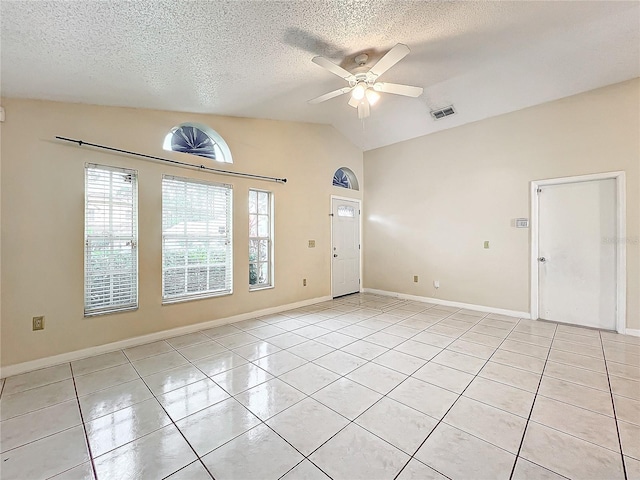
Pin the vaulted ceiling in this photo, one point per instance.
(253, 58)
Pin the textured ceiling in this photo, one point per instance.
(253, 58)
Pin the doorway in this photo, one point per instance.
(578, 261)
(345, 246)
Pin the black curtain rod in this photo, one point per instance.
(175, 162)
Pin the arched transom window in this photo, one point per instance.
(345, 178)
(198, 139)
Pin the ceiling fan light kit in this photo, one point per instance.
(358, 91)
(363, 84)
(372, 96)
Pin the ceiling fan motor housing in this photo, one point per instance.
(361, 59)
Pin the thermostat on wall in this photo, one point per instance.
(522, 223)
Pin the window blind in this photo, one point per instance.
(196, 239)
(111, 254)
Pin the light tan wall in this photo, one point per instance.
(431, 202)
(42, 217)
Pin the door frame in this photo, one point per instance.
(621, 246)
(359, 202)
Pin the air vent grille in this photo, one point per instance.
(443, 112)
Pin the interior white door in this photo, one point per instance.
(345, 258)
(577, 253)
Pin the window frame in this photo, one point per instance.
(221, 148)
(257, 238)
(132, 239)
(228, 234)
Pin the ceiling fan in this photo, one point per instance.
(363, 82)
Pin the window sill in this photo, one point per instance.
(257, 289)
(171, 301)
(110, 312)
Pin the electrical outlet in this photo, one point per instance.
(304, 282)
(312, 244)
(38, 323)
(415, 278)
(486, 244)
(436, 284)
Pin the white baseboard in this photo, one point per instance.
(24, 367)
(449, 303)
(632, 331)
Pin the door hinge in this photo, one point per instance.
(539, 190)
(358, 246)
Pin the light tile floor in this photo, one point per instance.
(362, 387)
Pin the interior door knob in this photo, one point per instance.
(542, 259)
(335, 255)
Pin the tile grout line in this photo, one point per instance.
(231, 396)
(371, 406)
(535, 396)
(613, 405)
(440, 420)
(306, 396)
(84, 426)
(307, 457)
(453, 404)
(399, 320)
(173, 423)
(350, 421)
(139, 377)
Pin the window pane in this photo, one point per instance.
(263, 277)
(175, 253)
(263, 250)
(217, 276)
(260, 241)
(111, 257)
(196, 238)
(198, 139)
(253, 250)
(253, 201)
(174, 282)
(346, 211)
(263, 226)
(263, 202)
(253, 225)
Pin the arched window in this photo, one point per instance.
(198, 139)
(345, 178)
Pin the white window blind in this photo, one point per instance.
(111, 254)
(196, 239)
(260, 239)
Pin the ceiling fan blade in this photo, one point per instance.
(392, 57)
(406, 90)
(353, 102)
(333, 68)
(330, 95)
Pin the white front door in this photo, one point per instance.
(345, 259)
(577, 253)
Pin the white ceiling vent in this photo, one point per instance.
(443, 112)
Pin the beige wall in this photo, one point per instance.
(42, 218)
(431, 202)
